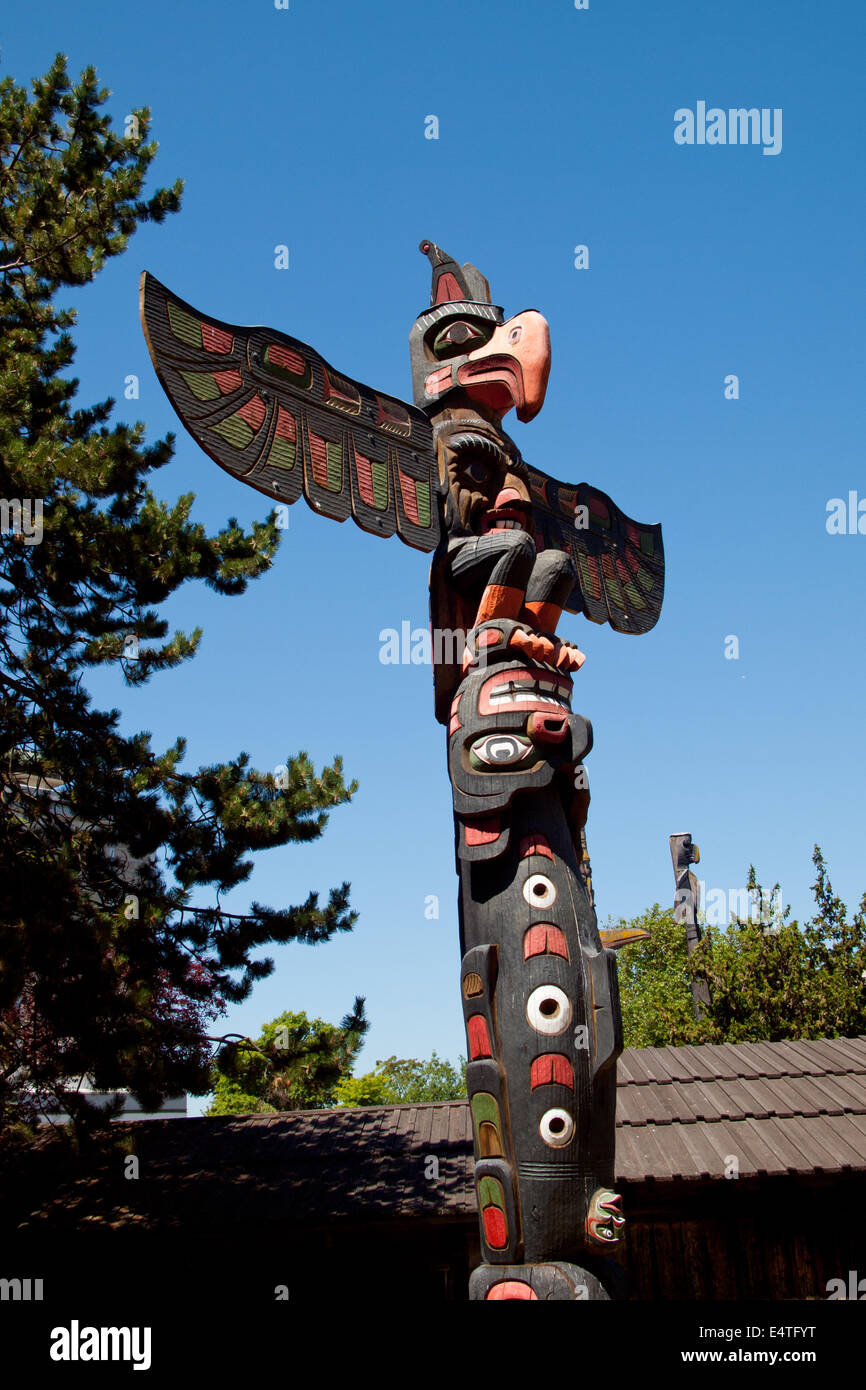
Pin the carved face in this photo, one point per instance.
(467, 347)
(511, 369)
(512, 727)
(604, 1218)
(488, 486)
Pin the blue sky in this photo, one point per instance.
(306, 127)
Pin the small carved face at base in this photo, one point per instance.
(604, 1217)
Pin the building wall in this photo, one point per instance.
(783, 1239)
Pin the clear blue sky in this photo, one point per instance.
(305, 127)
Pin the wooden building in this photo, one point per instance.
(742, 1169)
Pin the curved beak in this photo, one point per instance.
(512, 368)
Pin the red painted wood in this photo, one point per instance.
(511, 1290)
(365, 479)
(545, 940)
(215, 339)
(319, 458)
(447, 289)
(479, 1038)
(551, 1068)
(535, 844)
(483, 830)
(284, 357)
(228, 381)
(410, 496)
(253, 412)
(495, 1228)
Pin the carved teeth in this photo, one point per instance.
(537, 693)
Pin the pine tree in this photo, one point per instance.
(106, 970)
(297, 1063)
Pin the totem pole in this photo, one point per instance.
(687, 901)
(512, 549)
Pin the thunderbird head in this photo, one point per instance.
(464, 351)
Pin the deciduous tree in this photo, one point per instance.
(402, 1080)
(769, 980)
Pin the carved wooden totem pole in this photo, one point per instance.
(512, 549)
(684, 853)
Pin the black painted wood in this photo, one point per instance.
(513, 548)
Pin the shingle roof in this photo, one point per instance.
(682, 1114)
(788, 1107)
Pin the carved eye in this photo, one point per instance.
(538, 891)
(548, 1010)
(494, 750)
(478, 472)
(515, 334)
(556, 1128)
(458, 338)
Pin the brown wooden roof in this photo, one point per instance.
(780, 1108)
(789, 1107)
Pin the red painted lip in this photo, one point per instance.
(491, 519)
(552, 698)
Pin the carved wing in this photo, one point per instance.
(620, 563)
(272, 412)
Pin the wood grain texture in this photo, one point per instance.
(513, 548)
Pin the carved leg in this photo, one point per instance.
(552, 580)
(503, 562)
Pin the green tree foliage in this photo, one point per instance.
(296, 1064)
(654, 982)
(399, 1080)
(90, 983)
(768, 979)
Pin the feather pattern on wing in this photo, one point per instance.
(272, 412)
(620, 563)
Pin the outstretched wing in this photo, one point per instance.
(271, 411)
(620, 563)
